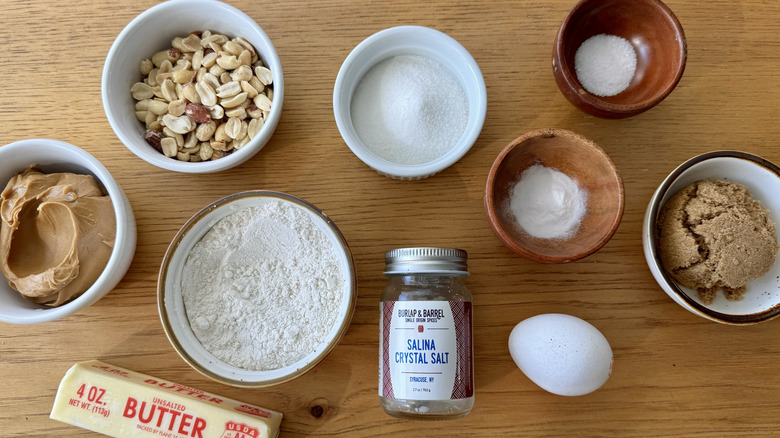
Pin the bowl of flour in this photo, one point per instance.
(256, 288)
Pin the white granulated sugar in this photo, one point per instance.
(409, 109)
(263, 287)
(547, 203)
(605, 64)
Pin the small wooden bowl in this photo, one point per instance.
(657, 37)
(580, 159)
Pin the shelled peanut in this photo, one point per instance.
(205, 97)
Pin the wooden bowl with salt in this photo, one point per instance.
(556, 151)
(657, 39)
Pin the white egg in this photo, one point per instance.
(563, 354)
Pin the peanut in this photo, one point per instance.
(146, 66)
(238, 111)
(179, 125)
(220, 134)
(183, 76)
(264, 75)
(248, 89)
(169, 147)
(262, 102)
(168, 90)
(205, 131)
(217, 112)
(209, 59)
(254, 127)
(229, 89)
(232, 47)
(228, 62)
(158, 107)
(242, 73)
(141, 91)
(207, 95)
(171, 55)
(197, 60)
(198, 113)
(233, 127)
(191, 43)
(245, 58)
(205, 151)
(177, 107)
(154, 138)
(190, 93)
(217, 145)
(234, 101)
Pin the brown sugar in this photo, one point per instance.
(712, 235)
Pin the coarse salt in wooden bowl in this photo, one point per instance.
(658, 41)
(578, 158)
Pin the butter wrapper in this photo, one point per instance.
(123, 403)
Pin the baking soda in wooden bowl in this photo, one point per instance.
(547, 203)
(569, 196)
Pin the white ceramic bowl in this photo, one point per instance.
(173, 313)
(761, 302)
(409, 40)
(153, 31)
(56, 156)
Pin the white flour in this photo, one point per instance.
(263, 287)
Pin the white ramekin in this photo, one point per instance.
(56, 156)
(409, 40)
(152, 31)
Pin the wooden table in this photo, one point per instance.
(674, 374)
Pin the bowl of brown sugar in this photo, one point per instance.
(710, 237)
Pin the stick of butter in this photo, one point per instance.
(122, 403)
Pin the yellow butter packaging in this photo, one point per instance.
(122, 403)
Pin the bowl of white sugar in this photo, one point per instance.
(554, 196)
(409, 101)
(618, 58)
(256, 289)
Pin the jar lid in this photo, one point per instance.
(426, 261)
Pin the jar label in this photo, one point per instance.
(425, 350)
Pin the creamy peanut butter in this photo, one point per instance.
(56, 236)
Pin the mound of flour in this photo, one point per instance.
(263, 287)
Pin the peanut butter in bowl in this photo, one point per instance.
(56, 236)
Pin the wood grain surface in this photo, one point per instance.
(675, 374)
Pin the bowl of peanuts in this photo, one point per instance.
(193, 86)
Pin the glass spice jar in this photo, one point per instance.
(426, 368)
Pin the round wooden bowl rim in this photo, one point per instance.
(490, 207)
